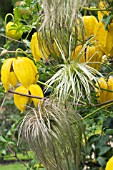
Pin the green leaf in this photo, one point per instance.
(107, 20)
(3, 152)
(101, 161)
(104, 150)
(2, 139)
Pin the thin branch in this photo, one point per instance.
(15, 155)
(102, 104)
(27, 95)
(2, 35)
(6, 51)
(95, 9)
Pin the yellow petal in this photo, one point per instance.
(109, 165)
(100, 34)
(5, 73)
(37, 51)
(110, 87)
(21, 101)
(102, 94)
(25, 71)
(79, 54)
(12, 79)
(36, 91)
(90, 23)
(94, 57)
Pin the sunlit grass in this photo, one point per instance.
(17, 166)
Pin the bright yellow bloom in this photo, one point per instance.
(21, 101)
(109, 165)
(90, 54)
(21, 69)
(11, 32)
(37, 51)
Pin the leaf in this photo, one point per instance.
(101, 161)
(104, 150)
(2, 139)
(107, 20)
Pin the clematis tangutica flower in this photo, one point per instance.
(21, 101)
(20, 69)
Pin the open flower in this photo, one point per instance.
(21, 69)
(21, 101)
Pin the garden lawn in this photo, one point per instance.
(14, 166)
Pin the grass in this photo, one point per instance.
(14, 166)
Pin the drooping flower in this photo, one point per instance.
(21, 69)
(11, 32)
(90, 54)
(21, 101)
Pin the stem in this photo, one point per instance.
(15, 155)
(95, 9)
(6, 51)
(11, 39)
(27, 95)
(90, 114)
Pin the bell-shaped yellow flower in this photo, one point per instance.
(11, 32)
(37, 51)
(109, 165)
(19, 100)
(21, 69)
(36, 90)
(90, 54)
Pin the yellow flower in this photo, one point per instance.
(21, 101)
(11, 32)
(109, 165)
(21, 69)
(90, 54)
(37, 51)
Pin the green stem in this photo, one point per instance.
(92, 113)
(95, 9)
